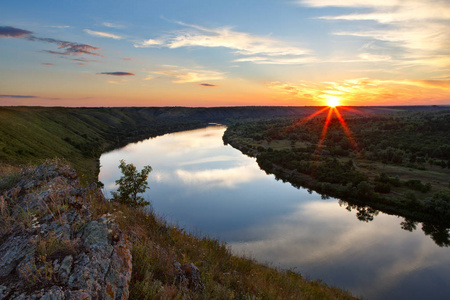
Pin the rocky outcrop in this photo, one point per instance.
(188, 277)
(51, 246)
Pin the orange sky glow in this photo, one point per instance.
(233, 53)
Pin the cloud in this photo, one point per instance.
(48, 64)
(367, 91)
(349, 3)
(149, 77)
(219, 177)
(277, 60)
(374, 57)
(103, 34)
(185, 75)
(82, 60)
(112, 25)
(8, 31)
(418, 27)
(60, 26)
(68, 48)
(427, 37)
(400, 12)
(117, 73)
(208, 84)
(149, 43)
(424, 83)
(128, 58)
(17, 96)
(224, 37)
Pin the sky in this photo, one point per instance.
(224, 53)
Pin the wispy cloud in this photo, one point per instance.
(270, 60)
(443, 84)
(8, 31)
(419, 27)
(17, 96)
(59, 26)
(82, 60)
(102, 34)
(117, 73)
(218, 177)
(185, 75)
(48, 64)
(67, 48)
(241, 43)
(208, 84)
(112, 25)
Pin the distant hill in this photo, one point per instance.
(80, 135)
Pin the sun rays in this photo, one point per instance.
(332, 108)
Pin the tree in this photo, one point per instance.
(131, 184)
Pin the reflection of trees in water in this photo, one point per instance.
(366, 214)
(409, 225)
(363, 213)
(440, 234)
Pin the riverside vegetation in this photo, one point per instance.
(395, 160)
(167, 263)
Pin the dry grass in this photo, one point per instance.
(156, 246)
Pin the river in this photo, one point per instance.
(211, 189)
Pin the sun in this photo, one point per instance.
(332, 101)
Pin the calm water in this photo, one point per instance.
(208, 188)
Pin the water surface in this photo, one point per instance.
(211, 189)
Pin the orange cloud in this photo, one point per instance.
(185, 75)
(102, 34)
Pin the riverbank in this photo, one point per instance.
(166, 263)
(78, 136)
(295, 154)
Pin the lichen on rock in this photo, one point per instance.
(51, 246)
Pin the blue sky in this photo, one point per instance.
(220, 53)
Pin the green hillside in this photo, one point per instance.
(79, 135)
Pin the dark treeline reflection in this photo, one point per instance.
(440, 234)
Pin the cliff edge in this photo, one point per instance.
(52, 247)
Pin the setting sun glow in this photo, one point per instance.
(332, 101)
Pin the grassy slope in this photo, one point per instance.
(31, 135)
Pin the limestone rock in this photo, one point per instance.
(54, 248)
(188, 275)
